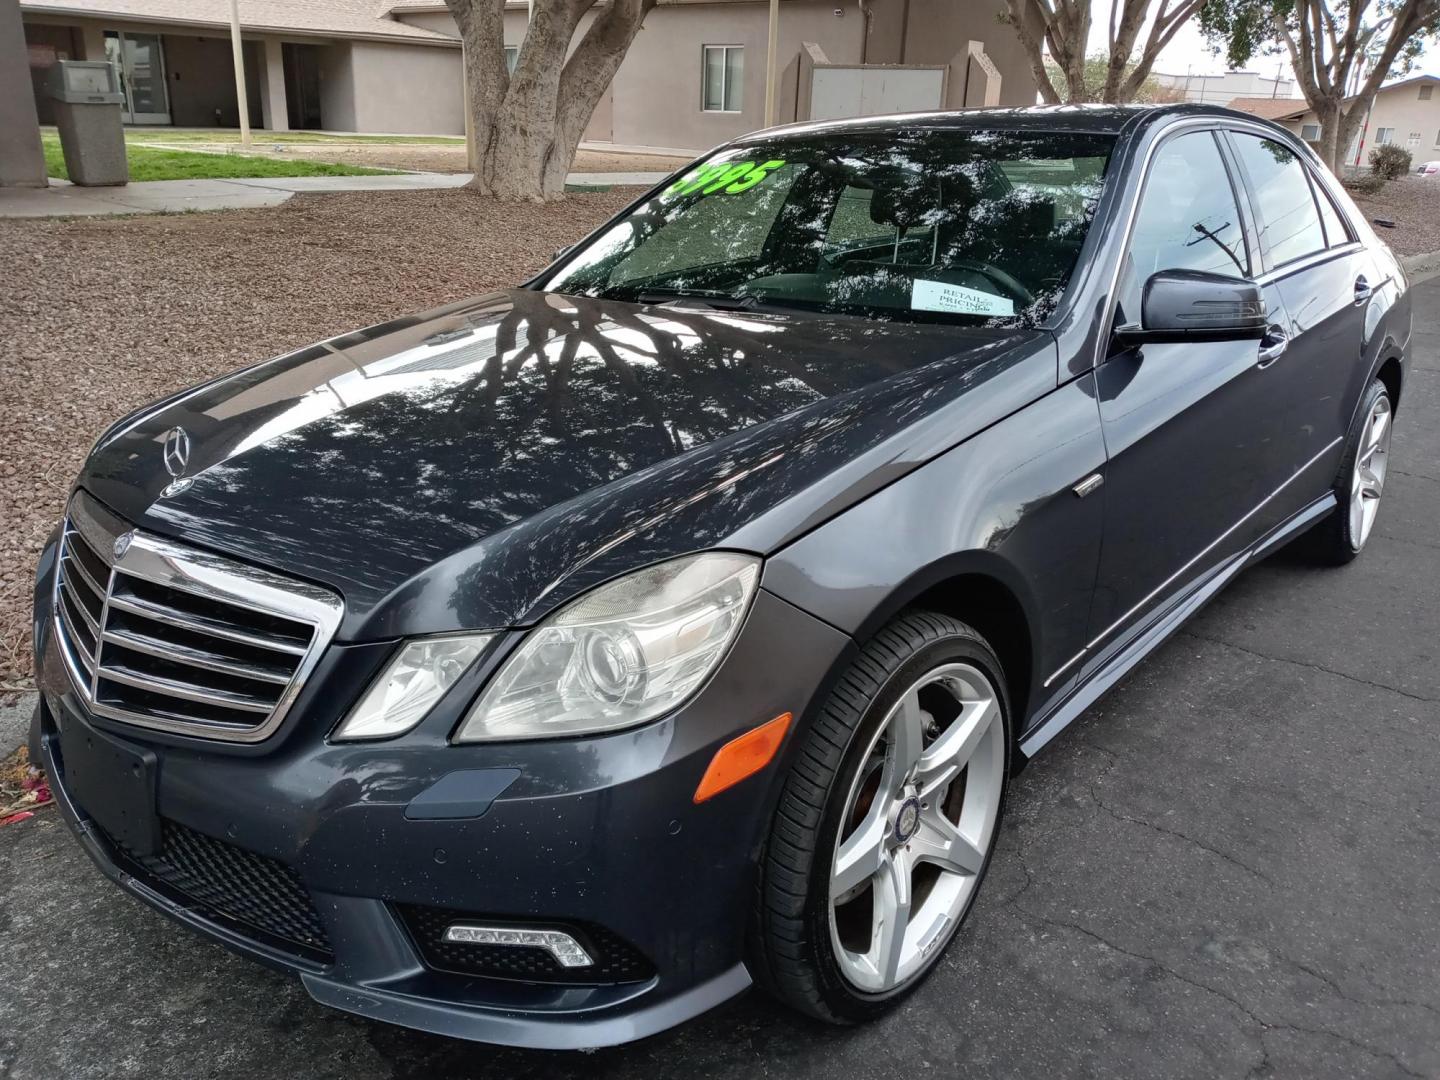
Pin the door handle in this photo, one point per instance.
(1362, 289)
(1272, 346)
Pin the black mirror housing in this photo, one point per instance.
(1193, 305)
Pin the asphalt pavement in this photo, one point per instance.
(1230, 867)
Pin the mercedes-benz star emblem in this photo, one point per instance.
(176, 451)
(122, 544)
(907, 820)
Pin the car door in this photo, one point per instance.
(1188, 427)
(1325, 282)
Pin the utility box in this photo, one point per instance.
(88, 100)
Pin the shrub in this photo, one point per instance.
(1364, 185)
(1389, 162)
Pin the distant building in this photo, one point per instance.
(1406, 113)
(1219, 89)
(695, 75)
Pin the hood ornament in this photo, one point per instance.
(176, 454)
(122, 544)
(177, 451)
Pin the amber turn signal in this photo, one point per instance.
(742, 756)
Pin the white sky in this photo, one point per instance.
(1189, 50)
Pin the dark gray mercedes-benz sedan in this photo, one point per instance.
(550, 667)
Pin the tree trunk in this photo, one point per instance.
(528, 125)
(1346, 126)
(1324, 52)
(1331, 147)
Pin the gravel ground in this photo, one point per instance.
(185, 297)
(1413, 204)
(433, 158)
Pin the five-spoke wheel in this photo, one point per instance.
(887, 821)
(916, 826)
(1367, 478)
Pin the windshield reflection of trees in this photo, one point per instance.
(851, 227)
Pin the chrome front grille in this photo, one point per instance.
(164, 636)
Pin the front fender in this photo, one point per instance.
(1001, 504)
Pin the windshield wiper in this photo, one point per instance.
(723, 301)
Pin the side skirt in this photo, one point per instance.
(1166, 619)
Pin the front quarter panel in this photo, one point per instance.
(1001, 505)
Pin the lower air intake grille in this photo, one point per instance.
(616, 960)
(259, 896)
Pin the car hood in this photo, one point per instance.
(473, 466)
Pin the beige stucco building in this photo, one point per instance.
(695, 75)
(1406, 113)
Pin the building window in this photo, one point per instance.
(1426, 91)
(1310, 132)
(1384, 136)
(512, 57)
(724, 76)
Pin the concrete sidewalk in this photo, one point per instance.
(63, 199)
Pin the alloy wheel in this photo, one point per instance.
(916, 827)
(1367, 479)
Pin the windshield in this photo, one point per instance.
(979, 227)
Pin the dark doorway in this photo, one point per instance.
(47, 46)
(302, 86)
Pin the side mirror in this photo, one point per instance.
(1193, 305)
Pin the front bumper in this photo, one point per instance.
(598, 832)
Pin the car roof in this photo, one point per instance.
(1102, 119)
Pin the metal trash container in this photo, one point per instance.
(88, 100)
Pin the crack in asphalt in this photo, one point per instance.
(1113, 759)
(1309, 664)
(1162, 829)
(1406, 540)
(1417, 475)
(1263, 1024)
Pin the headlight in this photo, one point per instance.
(623, 654)
(421, 672)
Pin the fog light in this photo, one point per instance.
(565, 949)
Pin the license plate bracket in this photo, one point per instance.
(114, 785)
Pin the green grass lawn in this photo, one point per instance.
(149, 163)
(270, 138)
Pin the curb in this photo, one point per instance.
(15, 722)
(1419, 268)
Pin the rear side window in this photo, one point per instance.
(1187, 220)
(1289, 220)
(1335, 232)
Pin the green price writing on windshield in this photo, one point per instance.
(732, 177)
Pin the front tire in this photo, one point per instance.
(1358, 484)
(887, 822)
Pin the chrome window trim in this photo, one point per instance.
(1305, 262)
(1202, 123)
(152, 558)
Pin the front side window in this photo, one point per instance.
(724, 76)
(1289, 221)
(1188, 219)
(975, 227)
